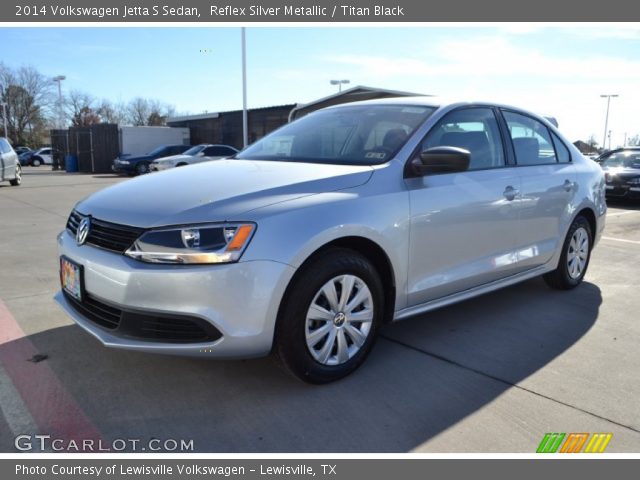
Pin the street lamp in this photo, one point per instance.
(4, 117)
(59, 79)
(339, 83)
(245, 121)
(606, 121)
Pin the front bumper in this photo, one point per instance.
(239, 300)
(159, 167)
(622, 191)
(116, 166)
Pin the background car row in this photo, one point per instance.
(169, 156)
(622, 172)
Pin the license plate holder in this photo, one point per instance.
(72, 278)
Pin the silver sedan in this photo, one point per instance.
(309, 240)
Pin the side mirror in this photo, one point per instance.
(441, 160)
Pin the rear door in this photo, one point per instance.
(548, 187)
(463, 225)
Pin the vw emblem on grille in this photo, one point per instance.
(83, 230)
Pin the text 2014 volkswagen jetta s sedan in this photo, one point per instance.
(310, 239)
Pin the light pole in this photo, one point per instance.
(606, 120)
(59, 79)
(245, 121)
(4, 117)
(339, 83)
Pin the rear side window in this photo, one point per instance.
(562, 152)
(531, 140)
(474, 129)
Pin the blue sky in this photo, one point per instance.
(557, 70)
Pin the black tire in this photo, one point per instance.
(18, 178)
(142, 168)
(182, 165)
(36, 162)
(291, 328)
(562, 278)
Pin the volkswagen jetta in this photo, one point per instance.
(305, 243)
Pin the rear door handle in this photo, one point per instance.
(567, 185)
(510, 193)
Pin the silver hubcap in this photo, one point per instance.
(18, 174)
(578, 253)
(339, 320)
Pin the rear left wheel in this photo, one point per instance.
(18, 178)
(574, 260)
(330, 317)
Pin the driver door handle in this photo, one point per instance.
(567, 185)
(510, 193)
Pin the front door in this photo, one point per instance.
(463, 225)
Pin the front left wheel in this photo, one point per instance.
(330, 317)
(142, 168)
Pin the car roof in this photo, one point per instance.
(440, 102)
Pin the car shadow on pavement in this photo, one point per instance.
(625, 204)
(425, 375)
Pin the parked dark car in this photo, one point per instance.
(138, 165)
(622, 172)
(25, 157)
(21, 150)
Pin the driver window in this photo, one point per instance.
(474, 129)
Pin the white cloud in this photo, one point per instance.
(490, 57)
(493, 68)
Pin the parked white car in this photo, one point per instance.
(41, 157)
(199, 153)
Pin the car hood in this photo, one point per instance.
(216, 191)
(135, 158)
(174, 158)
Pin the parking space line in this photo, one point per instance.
(51, 406)
(35, 206)
(13, 408)
(636, 242)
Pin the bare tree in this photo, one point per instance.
(113, 112)
(80, 109)
(30, 101)
(592, 142)
(139, 111)
(152, 112)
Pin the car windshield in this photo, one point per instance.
(623, 159)
(158, 150)
(352, 135)
(194, 150)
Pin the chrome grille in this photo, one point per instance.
(107, 235)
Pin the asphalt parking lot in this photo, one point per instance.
(493, 374)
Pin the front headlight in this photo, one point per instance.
(193, 244)
(123, 162)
